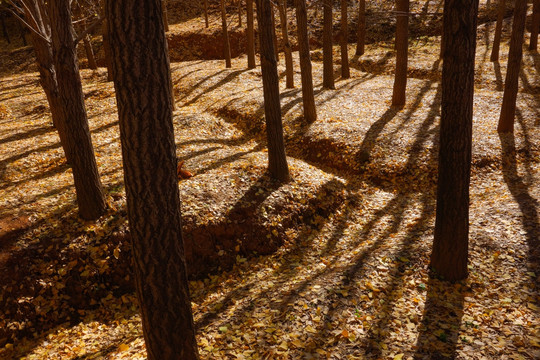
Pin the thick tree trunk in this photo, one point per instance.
(165, 15)
(508, 109)
(89, 53)
(250, 35)
(328, 62)
(450, 247)
(149, 158)
(277, 161)
(72, 121)
(402, 48)
(226, 45)
(535, 26)
(361, 29)
(308, 98)
(206, 13)
(498, 31)
(289, 71)
(345, 72)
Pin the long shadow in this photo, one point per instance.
(198, 84)
(223, 81)
(27, 134)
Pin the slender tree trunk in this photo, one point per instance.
(240, 13)
(206, 13)
(149, 158)
(4, 29)
(535, 26)
(289, 71)
(328, 62)
(508, 109)
(274, 36)
(498, 31)
(345, 72)
(72, 120)
(277, 161)
(165, 15)
(361, 29)
(402, 48)
(226, 45)
(89, 53)
(250, 35)
(106, 46)
(450, 247)
(308, 99)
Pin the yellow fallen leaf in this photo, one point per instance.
(398, 357)
(123, 347)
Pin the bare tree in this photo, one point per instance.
(345, 72)
(402, 48)
(361, 29)
(250, 35)
(328, 62)
(289, 72)
(498, 31)
(226, 45)
(308, 99)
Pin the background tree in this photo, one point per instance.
(250, 48)
(239, 12)
(508, 109)
(535, 26)
(165, 15)
(361, 28)
(308, 98)
(289, 71)
(328, 64)
(206, 13)
(498, 31)
(277, 161)
(402, 47)
(226, 45)
(344, 37)
(142, 82)
(450, 247)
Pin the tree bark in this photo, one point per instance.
(402, 47)
(72, 120)
(240, 13)
(450, 247)
(106, 46)
(226, 45)
(274, 35)
(308, 98)
(165, 15)
(277, 161)
(535, 26)
(508, 109)
(328, 65)
(289, 71)
(250, 35)
(142, 76)
(89, 53)
(361, 29)
(498, 31)
(345, 72)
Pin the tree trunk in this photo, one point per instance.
(535, 26)
(4, 29)
(361, 30)
(89, 53)
(450, 247)
(105, 37)
(149, 158)
(250, 35)
(308, 99)
(345, 72)
(508, 109)
(240, 13)
(165, 15)
(289, 71)
(226, 45)
(206, 13)
(274, 36)
(402, 47)
(328, 65)
(498, 31)
(72, 120)
(277, 161)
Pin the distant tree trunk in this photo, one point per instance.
(277, 161)
(308, 99)
(535, 26)
(289, 71)
(226, 45)
(361, 29)
(105, 37)
(206, 13)
(165, 15)
(149, 158)
(274, 36)
(250, 35)
(498, 31)
(345, 72)
(402, 47)
(450, 247)
(72, 120)
(328, 62)
(240, 13)
(508, 109)
(4, 29)
(89, 53)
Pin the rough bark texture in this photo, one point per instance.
(508, 109)
(308, 98)
(250, 35)
(361, 29)
(289, 71)
(402, 47)
(498, 31)
(72, 122)
(535, 26)
(345, 72)
(141, 77)
(450, 247)
(328, 65)
(277, 161)
(89, 53)
(226, 45)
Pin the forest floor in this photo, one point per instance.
(346, 242)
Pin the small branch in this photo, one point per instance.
(29, 26)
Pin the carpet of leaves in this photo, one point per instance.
(350, 280)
